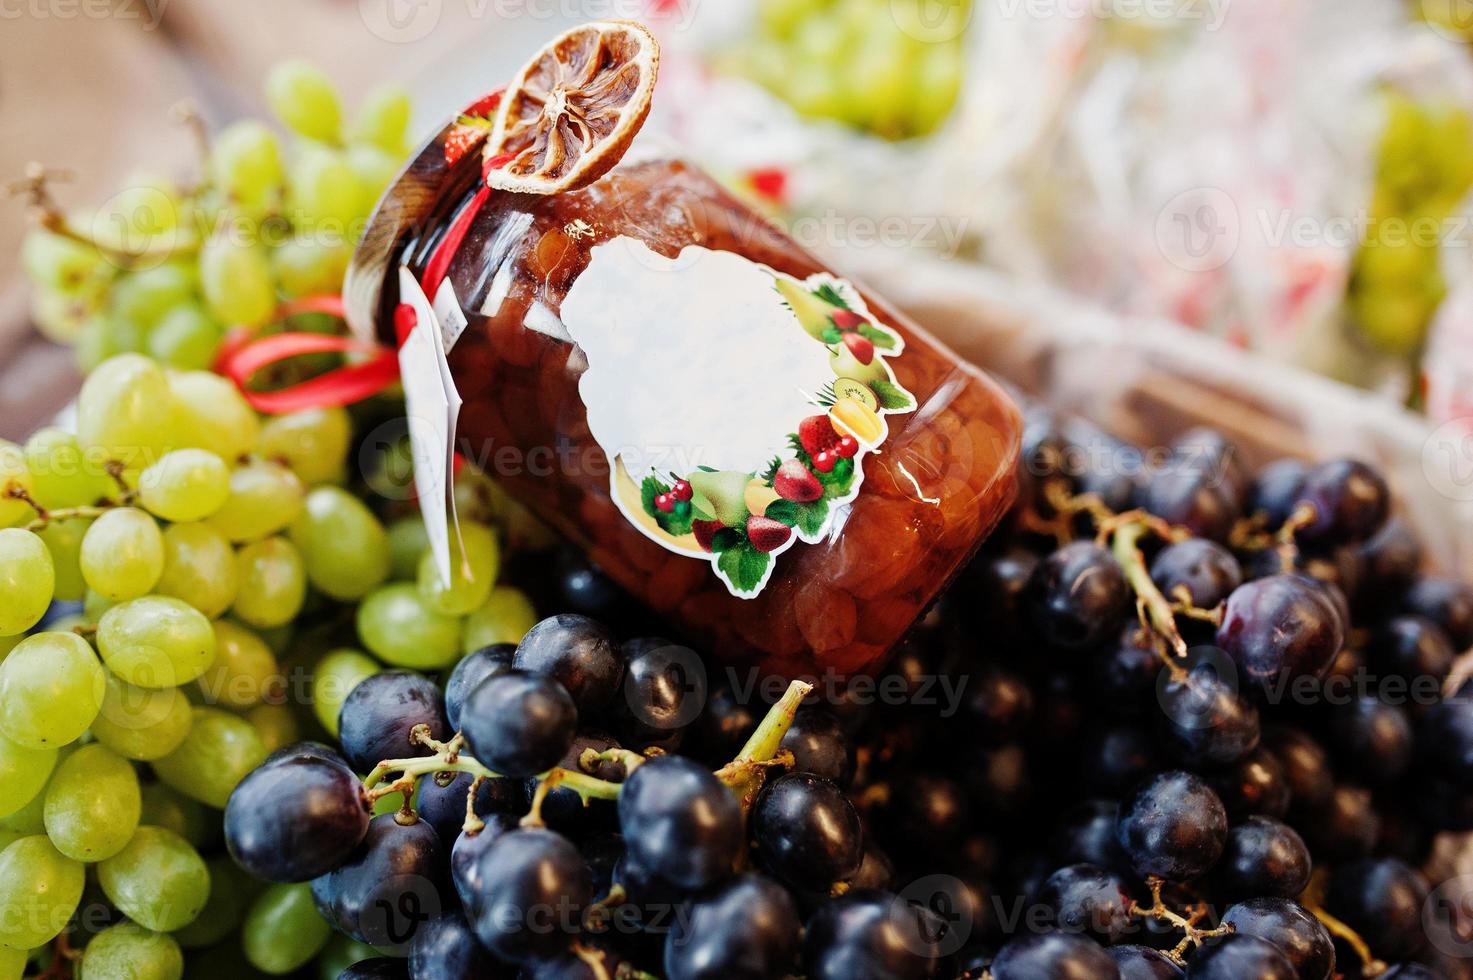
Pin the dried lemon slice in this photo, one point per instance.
(572, 111)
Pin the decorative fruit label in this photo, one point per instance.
(734, 403)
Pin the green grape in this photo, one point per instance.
(782, 17)
(344, 547)
(383, 119)
(12, 961)
(127, 951)
(60, 317)
(938, 86)
(122, 554)
(313, 442)
(220, 751)
(340, 954)
(307, 266)
(156, 641)
(142, 217)
(23, 774)
(407, 542)
(185, 485)
(63, 538)
(93, 344)
(236, 280)
(477, 498)
(163, 806)
(215, 415)
(14, 475)
(375, 170)
(273, 583)
(142, 723)
(264, 498)
(61, 474)
(29, 819)
(230, 895)
(475, 560)
(127, 410)
(399, 627)
(60, 263)
(246, 164)
(39, 890)
(326, 196)
(276, 724)
(505, 617)
(9, 643)
(185, 339)
(94, 605)
(199, 568)
(304, 99)
(27, 580)
(51, 689)
(337, 673)
(144, 298)
(158, 880)
(244, 672)
(92, 804)
(282, 931)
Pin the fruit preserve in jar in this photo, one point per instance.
(757, 448)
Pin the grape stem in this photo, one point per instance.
(1304, 515)
(630, 759)
(1370, 965)
(1156, 611)
(34, 186)
(1192, 936)
(746, 773)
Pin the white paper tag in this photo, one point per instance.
(433, 406)
(451, 316)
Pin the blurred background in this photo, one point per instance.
(1273, 190)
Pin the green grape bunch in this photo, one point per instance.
(1424, 170)
(890, 67)
(165, 267)
(226, 581)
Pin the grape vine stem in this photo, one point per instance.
(1156, 610)
(1192, 936)
(746, 773)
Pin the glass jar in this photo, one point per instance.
(930, 487)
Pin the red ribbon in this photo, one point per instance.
(240, 358)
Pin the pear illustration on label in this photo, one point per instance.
(735, 403)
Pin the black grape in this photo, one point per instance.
(296, 819)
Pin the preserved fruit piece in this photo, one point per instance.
(573, 110)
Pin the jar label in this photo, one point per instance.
(735, 403)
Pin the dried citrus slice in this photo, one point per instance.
(571, 112)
